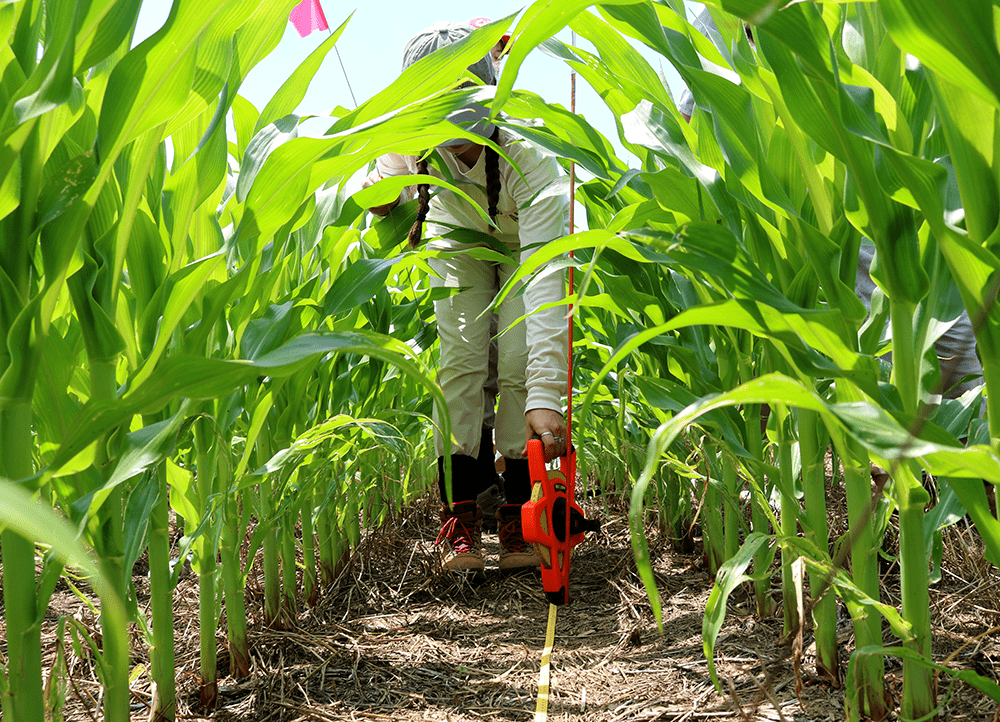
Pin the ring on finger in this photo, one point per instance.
(558, 439)
(549, 433)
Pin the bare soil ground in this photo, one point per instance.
(396, 638)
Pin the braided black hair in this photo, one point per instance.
(423, 205)
(492, 164)
(493, 177)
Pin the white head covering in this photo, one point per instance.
(473, 116)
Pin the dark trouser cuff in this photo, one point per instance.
(466, 478)
(517, 482)
(486, 455)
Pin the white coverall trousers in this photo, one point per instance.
(464, 332)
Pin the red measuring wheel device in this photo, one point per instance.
(552, 520)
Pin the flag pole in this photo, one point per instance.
(307, 16)
(349, 88)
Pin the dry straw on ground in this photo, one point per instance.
(397, 639)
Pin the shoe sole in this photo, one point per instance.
(533, 569)
(471, 576)
(472, 569)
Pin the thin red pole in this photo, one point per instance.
(572, 229)
(570, 468)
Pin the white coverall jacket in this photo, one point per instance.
(532, 354)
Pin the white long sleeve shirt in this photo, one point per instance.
(523, 225)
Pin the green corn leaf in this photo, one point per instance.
(244, 120)
(800, 335)
(956, 40)
(256, 38)
(870, 111)
(265, 334)
(430, 74)
(184, 289)
(799, 26)
(100, 334)
(558, 147)
(183, 496)
(556, 249)
(52, 403)
(103, 29)
(868, 423)
(358, 284)
(539, 22)
(621, 59)
(814, 107)
(203, 378)
(48, 579)
(152, 82)
(972, 266)
(185, 192)
(214, 304)
(142, 162)
(387, 190)
(730, 576)
(146, 259)
(382, 433)
(805, 332)
(137, 513)
(972, 132)
(142, 450)
(803, 100)
(27, 516)
(568, 126)
(262, 143)
(258, 410)
(675, 192)
(10, 188)
(650, 128)
(947, 511)
(675, 397)
(973, 497)
(294, 170)
(818, 560)
(294, 88)
(985, 685)
(66, 186)
(18, 378)
(213, 69)
(51, 84)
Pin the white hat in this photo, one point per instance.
(473, 116)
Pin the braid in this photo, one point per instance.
(423, 193)
(493, 177)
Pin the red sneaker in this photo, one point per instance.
(515, 553)
(461, 537)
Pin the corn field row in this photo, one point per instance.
(209, 329)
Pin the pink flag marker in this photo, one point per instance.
(308, 16)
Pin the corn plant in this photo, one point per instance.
(804, 156)
(206, 324)
(126, 290)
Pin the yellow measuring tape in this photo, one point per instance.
(542, 706)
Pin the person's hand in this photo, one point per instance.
(548, 425)
(382, 210)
